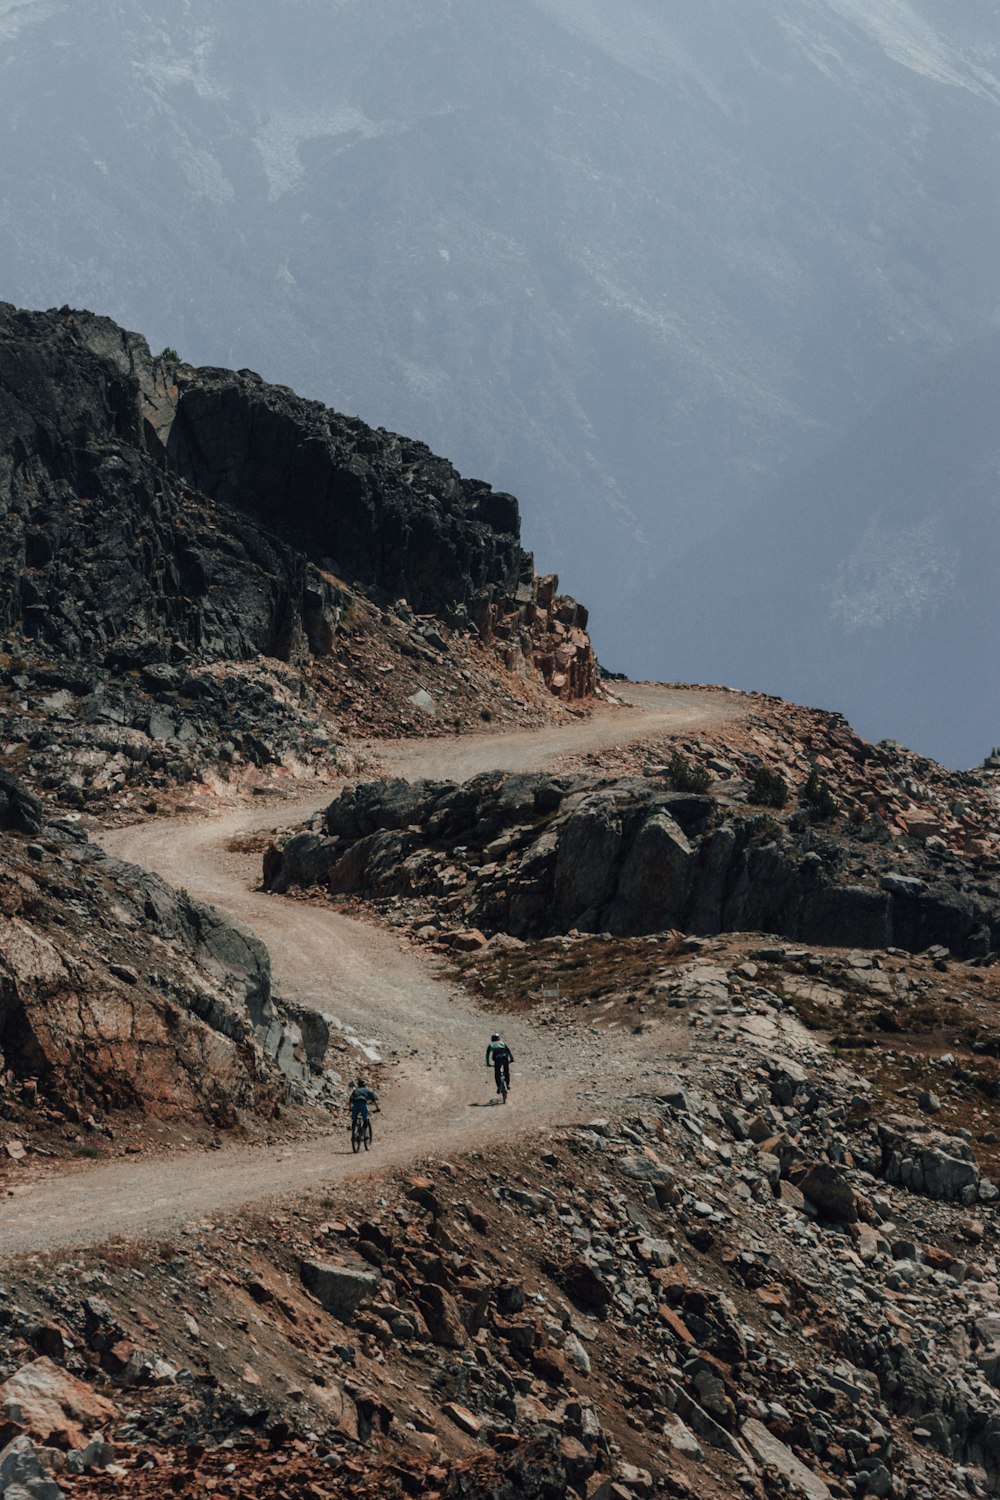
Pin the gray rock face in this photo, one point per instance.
(19, 809)
(160, 565)
(168, 497)
(385, 509)
(942, 1166)
(22, 1476)
(535, 857)
(772, 1452)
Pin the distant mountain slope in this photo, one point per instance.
(635, 263)
(875, 572)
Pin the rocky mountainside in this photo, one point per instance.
(188, 555)
(126, 1008)
(770, 1272)
(734, 1233)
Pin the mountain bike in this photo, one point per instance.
(361, 1133)
(502, 1087)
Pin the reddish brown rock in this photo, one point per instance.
(53, 1406)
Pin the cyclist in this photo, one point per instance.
(500, 1055)
(361, 1097)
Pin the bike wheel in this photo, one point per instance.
(356, 1131)
(503, 1092)
(367, 1134)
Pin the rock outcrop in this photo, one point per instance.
(533, 855)
(152, 512)
(118, 993)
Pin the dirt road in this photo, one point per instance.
(374, 988)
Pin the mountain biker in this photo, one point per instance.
(500, 1055)
(361, 1097)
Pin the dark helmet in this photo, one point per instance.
(361, 1083)
(495, 1037)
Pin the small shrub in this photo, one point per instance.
(170, 356)
(486, 714)
(818, 798)
(685, 777)
(768, 787)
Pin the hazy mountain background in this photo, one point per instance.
(712, 285)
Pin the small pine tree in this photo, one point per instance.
(685, 777)
(768, 787)
(817, 797)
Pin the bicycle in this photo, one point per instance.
(502, 1087)
(361, 1133)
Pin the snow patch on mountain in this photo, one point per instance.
(278, 141)
(15, 15)
(911, 40)
(895, 575)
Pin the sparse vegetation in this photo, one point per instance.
(686, 775)
(768, 787)
(817, 797)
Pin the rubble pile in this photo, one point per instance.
(724, 1287)
(147, 734)
(112, 742)
(888, 793)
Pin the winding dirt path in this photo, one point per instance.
(374, 987)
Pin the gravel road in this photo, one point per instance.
(374, 987)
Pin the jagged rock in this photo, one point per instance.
(143, 1368)
(941, 1166)
(22, 1476)
(114, 1028)
(19, 809)
(442, 1316)
(681, 1439)
(772, 1453)
(583, 1284)
(465, 1420)
(52, 1405)
(622, 856)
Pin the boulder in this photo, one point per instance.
(53, 1406)
(339, 1289)
(22, 1476)
(442, 1316)
(928, 1161)
(826, 1187)
(582, 1284)
(772, 1453)
(19, 809)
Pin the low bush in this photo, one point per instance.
(684, 776)
(768, 788)
(817, 798)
